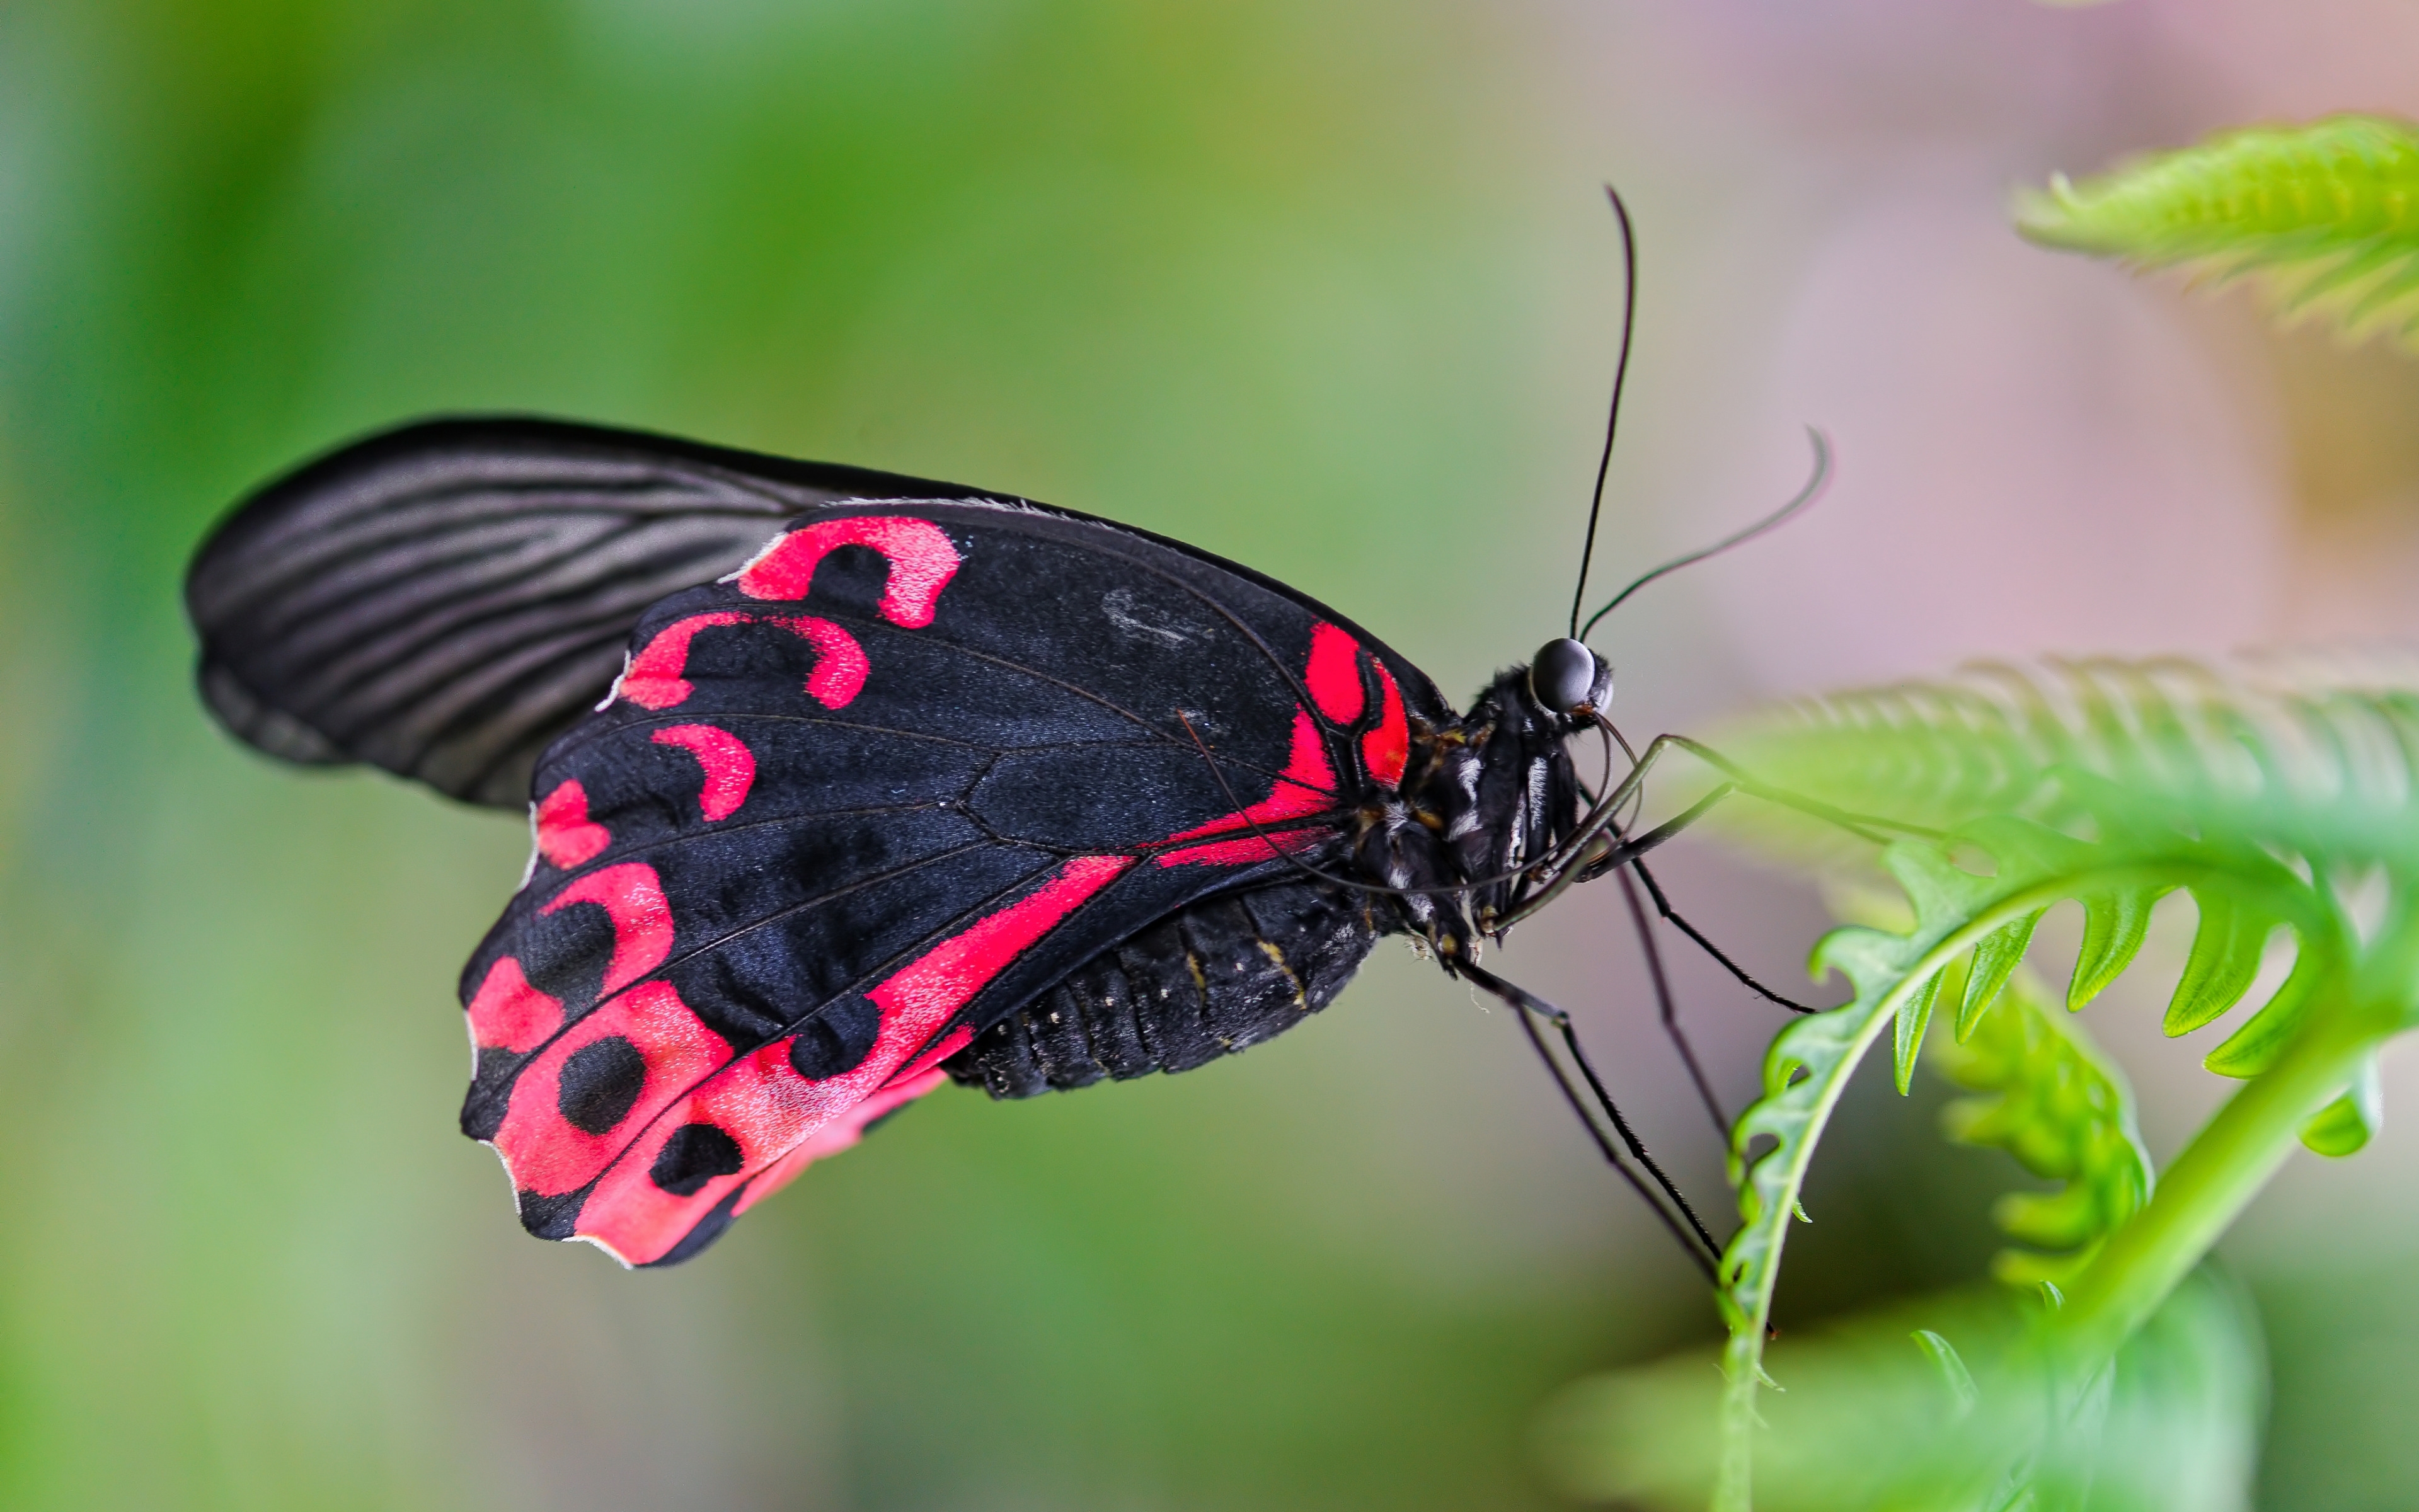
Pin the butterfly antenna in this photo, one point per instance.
(1814, 482)
(1620, 377)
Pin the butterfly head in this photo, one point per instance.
(1569, 679)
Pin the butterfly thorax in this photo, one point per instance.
(1481, 797)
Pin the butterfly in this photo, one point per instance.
(843, 785)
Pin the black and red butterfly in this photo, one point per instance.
(846, 784)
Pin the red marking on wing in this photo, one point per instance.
(766, 1108)
(843, 1132)
(949, 1044)
(642, 922)
(1243, 852)
(657, 677)
(730, 767)
(770, 1111)
(922, 561)
(549, 1155)
(652, 679)
(942, 980)
(841, 667)
(1307, 786)
(1385, 750)
(565, 835)
(1333, 675)
(507, 1013)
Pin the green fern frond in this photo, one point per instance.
(2326, 215)
(2314, 758)
(2065, 1113)
(1897, 977)
(2107, 784)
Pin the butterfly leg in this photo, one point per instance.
(1693, 1237)
(1663, 906)
(1667, 1007)
(1598, 846)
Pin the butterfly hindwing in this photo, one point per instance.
(897, 777)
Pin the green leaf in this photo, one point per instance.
(2066, 1113)
(1953, 1374)
(1913, 1015)
(1804, 1073)
(2326, 216)
(2344, 1126)
(2255, 1047)
(1995, 961)
(2115, 924)
(2224, 958)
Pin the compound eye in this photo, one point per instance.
(1565, 674)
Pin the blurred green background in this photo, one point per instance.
(1325, 287)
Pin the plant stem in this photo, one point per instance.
(2208, 1185)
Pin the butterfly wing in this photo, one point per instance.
(906, 770)
(902, 771)
(444, 599)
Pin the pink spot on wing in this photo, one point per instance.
(1385, 750)
(730, 767)
(658, 678)
(921, 558)
(655, 679)
(841, 667)
(633, 899)
(566, 837)
(1333, 675)
(507, 1013)
(772, 1112)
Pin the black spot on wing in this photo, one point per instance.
(564, 954)
(850, 580)
(485, 1104)
(552, 1217)
(694, 1155)
(601, 1081)
(836, 1041)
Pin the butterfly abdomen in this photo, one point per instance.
(1207, 980)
